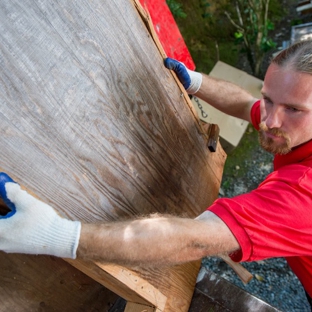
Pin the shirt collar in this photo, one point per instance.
(298, 154)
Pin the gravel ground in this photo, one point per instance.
(273, 281)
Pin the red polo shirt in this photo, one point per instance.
(275, 220)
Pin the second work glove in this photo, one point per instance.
(33, 227)
(190, 79)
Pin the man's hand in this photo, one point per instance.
(190, 80)
(34, 227)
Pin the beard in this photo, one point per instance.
(269, 144)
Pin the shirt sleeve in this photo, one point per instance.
(275, 220)
(255, 114)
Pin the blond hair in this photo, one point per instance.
(298, 57)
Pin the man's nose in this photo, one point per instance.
(274, 118)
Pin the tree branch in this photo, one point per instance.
(233, 22)
(239, 15)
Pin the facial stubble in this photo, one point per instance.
(269, 144)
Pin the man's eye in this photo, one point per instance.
(267, 101)
(292, 109)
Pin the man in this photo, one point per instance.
(272, 221)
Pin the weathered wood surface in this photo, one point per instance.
(43, 283)
(93, 123)
(134, 307)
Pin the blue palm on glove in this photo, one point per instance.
(4, 178)
(190, 80)
(180, 70)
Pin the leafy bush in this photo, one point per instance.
(176, 8)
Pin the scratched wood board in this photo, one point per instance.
(91, 121)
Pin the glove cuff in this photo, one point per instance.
(196, 81)
(58, 237)
(62, 239)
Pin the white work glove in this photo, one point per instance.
(190, 79)
(33, 227)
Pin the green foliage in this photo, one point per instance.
(267, 45)
(204, 4)
(210, 36)
(270, 25)
(238, 35)
(176, 9)
(252, 22)
(296, 21)
(207, 37)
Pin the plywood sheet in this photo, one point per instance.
(92, 122)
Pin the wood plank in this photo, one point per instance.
(134, 307)
(126, 283)
(94, 125)
(43, 283)
(177, 283)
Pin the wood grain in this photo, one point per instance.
(94, 125)
(123, 281)
(43, 283)
(134, 307)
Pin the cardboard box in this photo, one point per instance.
(231, 129)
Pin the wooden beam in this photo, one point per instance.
(45, 283)
(124, 282)
(146, 287)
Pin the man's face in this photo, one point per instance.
(286, 109)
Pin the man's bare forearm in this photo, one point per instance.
(155, 241)
(226, 96)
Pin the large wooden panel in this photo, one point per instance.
(92, 122)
